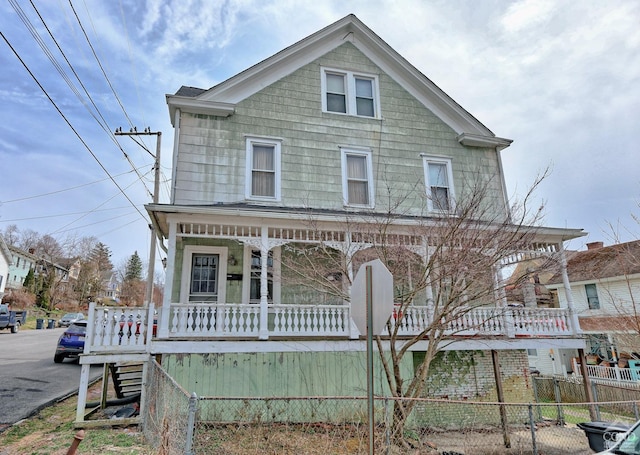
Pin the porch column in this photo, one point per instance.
(428, 288)
(165, 311)
(501, 300)
(263, 333)
(575, 323)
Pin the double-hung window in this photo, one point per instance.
(592, 296)
(345, 92)
(439, 184)
(263, 169)
(357, 182)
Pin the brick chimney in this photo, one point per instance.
(594, 245)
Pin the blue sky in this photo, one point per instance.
(560, 78)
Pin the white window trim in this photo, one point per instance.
(426, 160)
(246, 272)
(350, 91)
(345, 187)
(277, 144)
(189, 251)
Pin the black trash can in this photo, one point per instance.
(603, 435)
(39, 324)
(52, 324)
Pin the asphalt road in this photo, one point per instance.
(29, 379)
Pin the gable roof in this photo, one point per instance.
(622, 259)
(221, 99)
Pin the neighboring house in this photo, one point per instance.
(605, 292)
(291, 151)
(22, 262)
(69, 279)
(5, 264)
(110, 292)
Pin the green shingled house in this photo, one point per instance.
(291, 174)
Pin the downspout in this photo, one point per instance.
(503, 184)
(176, 142)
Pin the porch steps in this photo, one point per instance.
(127, 378)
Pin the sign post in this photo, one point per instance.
(373, 278)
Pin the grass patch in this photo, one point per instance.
(51, 432)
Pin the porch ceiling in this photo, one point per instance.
(304, 225)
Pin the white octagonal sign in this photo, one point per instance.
(382, 297)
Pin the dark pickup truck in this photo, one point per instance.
(11, 319)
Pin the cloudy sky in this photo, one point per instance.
(560, 78)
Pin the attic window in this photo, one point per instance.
(345, 92)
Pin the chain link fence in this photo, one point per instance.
(169, 414)
(177, 423)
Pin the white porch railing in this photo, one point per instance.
(121, 329)
(539, 321)
(612, 374)
(243, 320)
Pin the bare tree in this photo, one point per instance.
(448, 264)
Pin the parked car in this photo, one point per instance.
(11, 320)
(71, 342)
(70, 318)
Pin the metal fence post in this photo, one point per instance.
(558, 397)
(635, 410)
(191, 423)
(536, 398)
(387, 424)
(533, 430)
(594, 390)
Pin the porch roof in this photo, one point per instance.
(258, 215)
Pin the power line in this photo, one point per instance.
(102, 121)
(69, 123)
(60, 215)
(61, 191)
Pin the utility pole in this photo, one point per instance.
(156, 189)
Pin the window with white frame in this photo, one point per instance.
(357, 181)
(592, 296)
(350, 93)
(263, 169)
(439, 184)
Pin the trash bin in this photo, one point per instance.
(603, 435)
(39, 324)
(52, 324)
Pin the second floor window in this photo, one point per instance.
(439, 184)
(345, 92)
(263, 169)
(592, 296)
(357, 182)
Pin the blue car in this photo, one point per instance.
(71, 342)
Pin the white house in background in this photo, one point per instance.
(605, 290)
(5, 263)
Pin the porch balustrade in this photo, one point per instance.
(131, 329)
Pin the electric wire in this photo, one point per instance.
(41, 217)
(91, 211)
(51, 193)
(69, 123)
(102, 121)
